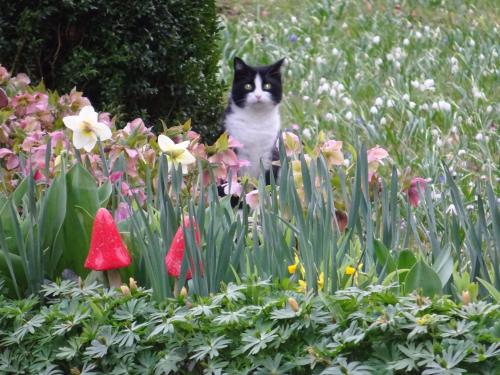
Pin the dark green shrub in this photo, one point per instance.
(149, 58)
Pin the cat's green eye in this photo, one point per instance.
(248, 87)
(267, 86)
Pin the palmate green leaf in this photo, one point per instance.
(423, 277)
(256, 340)
(169, 363)
(342, 367)
(210, 348)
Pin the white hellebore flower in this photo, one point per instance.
(86, 128)
(177, 153)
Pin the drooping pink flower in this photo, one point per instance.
(233, 188)
(115, 176)
(136, 127)
(12, 162)
(4, 152)
(74, 101)
(133, 192)
(4, 75)
(375, 156)
(292, 143)
(192, 135)
(234, 143)
(332, 151)
(252, 199)
(417, 186)
(122, 212)
(33, 139)
(20, 81)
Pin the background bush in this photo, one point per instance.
(154, 59)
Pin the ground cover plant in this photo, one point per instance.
(247, 328)
(386, 203)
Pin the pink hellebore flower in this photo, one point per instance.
(11, 159)
(122, 212)
(20, 81)
(4, 75)
(74, 101)
(417, 185)
(236, 187)
(252, 199)
(332, 151)
(136, 126)
(292, 143)
(115, 176)
(192, 135)
(127, 191)
(375, 157)
(27, 104)
(234, 143)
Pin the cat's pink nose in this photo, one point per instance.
(257, 96)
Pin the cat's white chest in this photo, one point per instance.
(257, 130)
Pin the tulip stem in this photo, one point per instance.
(114, 278)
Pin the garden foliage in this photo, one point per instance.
(248, 328)
(156, 59)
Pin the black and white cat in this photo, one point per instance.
(252, 116)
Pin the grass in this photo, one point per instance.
(356, 71)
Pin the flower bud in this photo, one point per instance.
(183, 293)
(293, 304)
(132, 283)
(465, 297)
(125, 290)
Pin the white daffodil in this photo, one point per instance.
(177, 153)
(86, 128)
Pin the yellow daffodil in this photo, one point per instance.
(86, 128)
(293, 267)
(177, 153)
(350, 270)
(302, 286)
(321, 281)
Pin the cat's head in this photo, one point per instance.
(256, 86)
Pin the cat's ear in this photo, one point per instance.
(239, 65)
(275, 68)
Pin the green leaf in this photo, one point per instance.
(83, 202)
(421, 276)
(494, 292)
(443, 266)
(51, 219)
(384, 256)
(406, 259)
(104, 193)
(20, 191)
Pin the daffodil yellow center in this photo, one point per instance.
(175, 153)
(87, 128)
